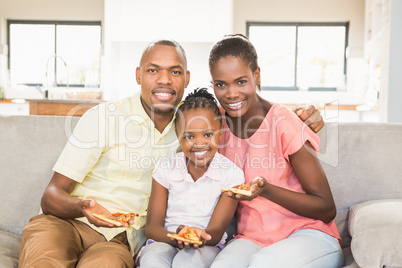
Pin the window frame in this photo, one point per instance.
(295, 87)
(48, 22)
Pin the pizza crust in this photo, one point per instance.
(105, 218)
(236, 191)
(178, 237)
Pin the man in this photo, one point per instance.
(106, 167)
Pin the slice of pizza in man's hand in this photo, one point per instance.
(242, 189)
(117, 219)
(189, 236)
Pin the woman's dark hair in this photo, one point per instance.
(199, 98)
(236, 45)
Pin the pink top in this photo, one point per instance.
(266, 153)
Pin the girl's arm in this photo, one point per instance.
(220, 220)
(154, 228)
(317, 203)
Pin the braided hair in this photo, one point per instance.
(200, 98)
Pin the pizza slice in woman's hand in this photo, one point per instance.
(242, 189)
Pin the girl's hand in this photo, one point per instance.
(200, 232)
(256, 186)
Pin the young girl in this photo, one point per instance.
(288, 220)
(186, 189)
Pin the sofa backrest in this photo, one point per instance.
(29, 146)
(362, 162)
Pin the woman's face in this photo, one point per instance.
(235, 85)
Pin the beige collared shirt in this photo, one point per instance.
(111, 154)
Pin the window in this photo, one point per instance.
(300, 56)
(57, 53)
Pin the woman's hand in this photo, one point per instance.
(256, 186)
(204, 237)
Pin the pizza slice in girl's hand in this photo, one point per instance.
(118, 219)
(189, 236)
(242, 189)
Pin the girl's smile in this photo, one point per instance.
(199, 136)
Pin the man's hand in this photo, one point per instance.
(311, 117)
(89, 206)
(200, 232)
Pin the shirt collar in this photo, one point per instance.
(138, 109)
(142, 116)
(180, 163)
(213, 171)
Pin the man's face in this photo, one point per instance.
(163, 76)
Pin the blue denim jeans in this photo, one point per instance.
(160, 255)
(304, 248)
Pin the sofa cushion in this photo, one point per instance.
(376, 230)
(30, 147)
(9, 249)
(361, 161)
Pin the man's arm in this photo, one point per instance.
(57, 201)
(311, 117)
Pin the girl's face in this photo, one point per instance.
(199, 133)
(235, 85)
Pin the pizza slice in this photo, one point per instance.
(189, 236)
(242, 189)
(118, 219)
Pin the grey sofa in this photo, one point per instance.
(361, 160)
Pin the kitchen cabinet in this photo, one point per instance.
(8, 107)
(61, 107)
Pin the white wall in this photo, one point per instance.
(131, 24)
(182, 20)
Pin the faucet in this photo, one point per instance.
(45, 90)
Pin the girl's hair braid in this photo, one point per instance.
(200, 98)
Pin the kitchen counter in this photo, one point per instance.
(61, 107)
(344, 107)
(340, 113)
